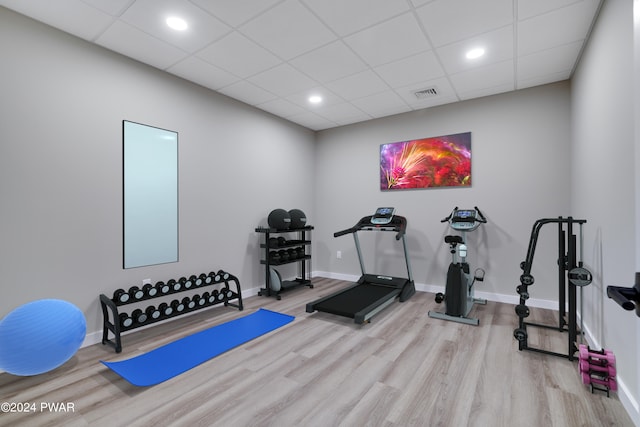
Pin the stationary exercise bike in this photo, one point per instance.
(459, 291)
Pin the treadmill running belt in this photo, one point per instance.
(353, 300)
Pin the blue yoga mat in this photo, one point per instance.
(179, 356)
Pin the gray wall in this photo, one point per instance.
(63, 101)
(520, 173)
(604, 154)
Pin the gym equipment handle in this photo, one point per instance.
(343, 232)
(450, 215)
(481, 215)
(622, 296)
(398, 223)
(627, 298)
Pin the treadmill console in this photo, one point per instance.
(383, 216)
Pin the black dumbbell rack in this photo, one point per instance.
(280, 251)
(123, 321)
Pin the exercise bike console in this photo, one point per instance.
(465, 219)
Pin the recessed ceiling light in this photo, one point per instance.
(475, 53)
(315, 99)
(177, 23)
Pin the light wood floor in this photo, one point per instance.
(402, 369)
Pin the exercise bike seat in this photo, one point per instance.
(453, 239)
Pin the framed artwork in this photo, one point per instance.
(439, 161)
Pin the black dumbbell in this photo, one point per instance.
(175, 286)
(274, 257)
(120, 296)
(165, 309)
(136, 293)
(150, 290)
(163, 288)
(152, 312)
(125, 320)
(200, 280)
(199, 300)
(178, 306)
(139, 316)
(212, 297)
(193, 280)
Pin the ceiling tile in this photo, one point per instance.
(150, 16)
(112, 7)
(248, 93)
(329, 62)
(483, 78)
(382, 104)
(203, 73)
(550, 61)
(132, 42)
(418, 3)
(498, 46)
(420, 67)
(288, 30)
(283, 80)
(281, 107)
(392, 40)
(448, 21)
(543, 80)
(343, 111)
(358, 85)
(312, 121)
(224, 54)
(347, 17)
(235, 12)
(561, 26)
(529, 8)
(72, 16)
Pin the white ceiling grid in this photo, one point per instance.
(366, 58)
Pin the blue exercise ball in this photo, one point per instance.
(40, 336)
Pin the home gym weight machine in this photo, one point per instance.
(569, 267)
(372, 292)
(459, 290)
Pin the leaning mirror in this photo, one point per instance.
(150, 187)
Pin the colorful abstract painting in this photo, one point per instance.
(441, 161)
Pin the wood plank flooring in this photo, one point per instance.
(402, 369)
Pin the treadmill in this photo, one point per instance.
(371, 293)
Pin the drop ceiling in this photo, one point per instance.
(365, 58)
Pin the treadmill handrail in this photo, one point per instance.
(398, 223)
